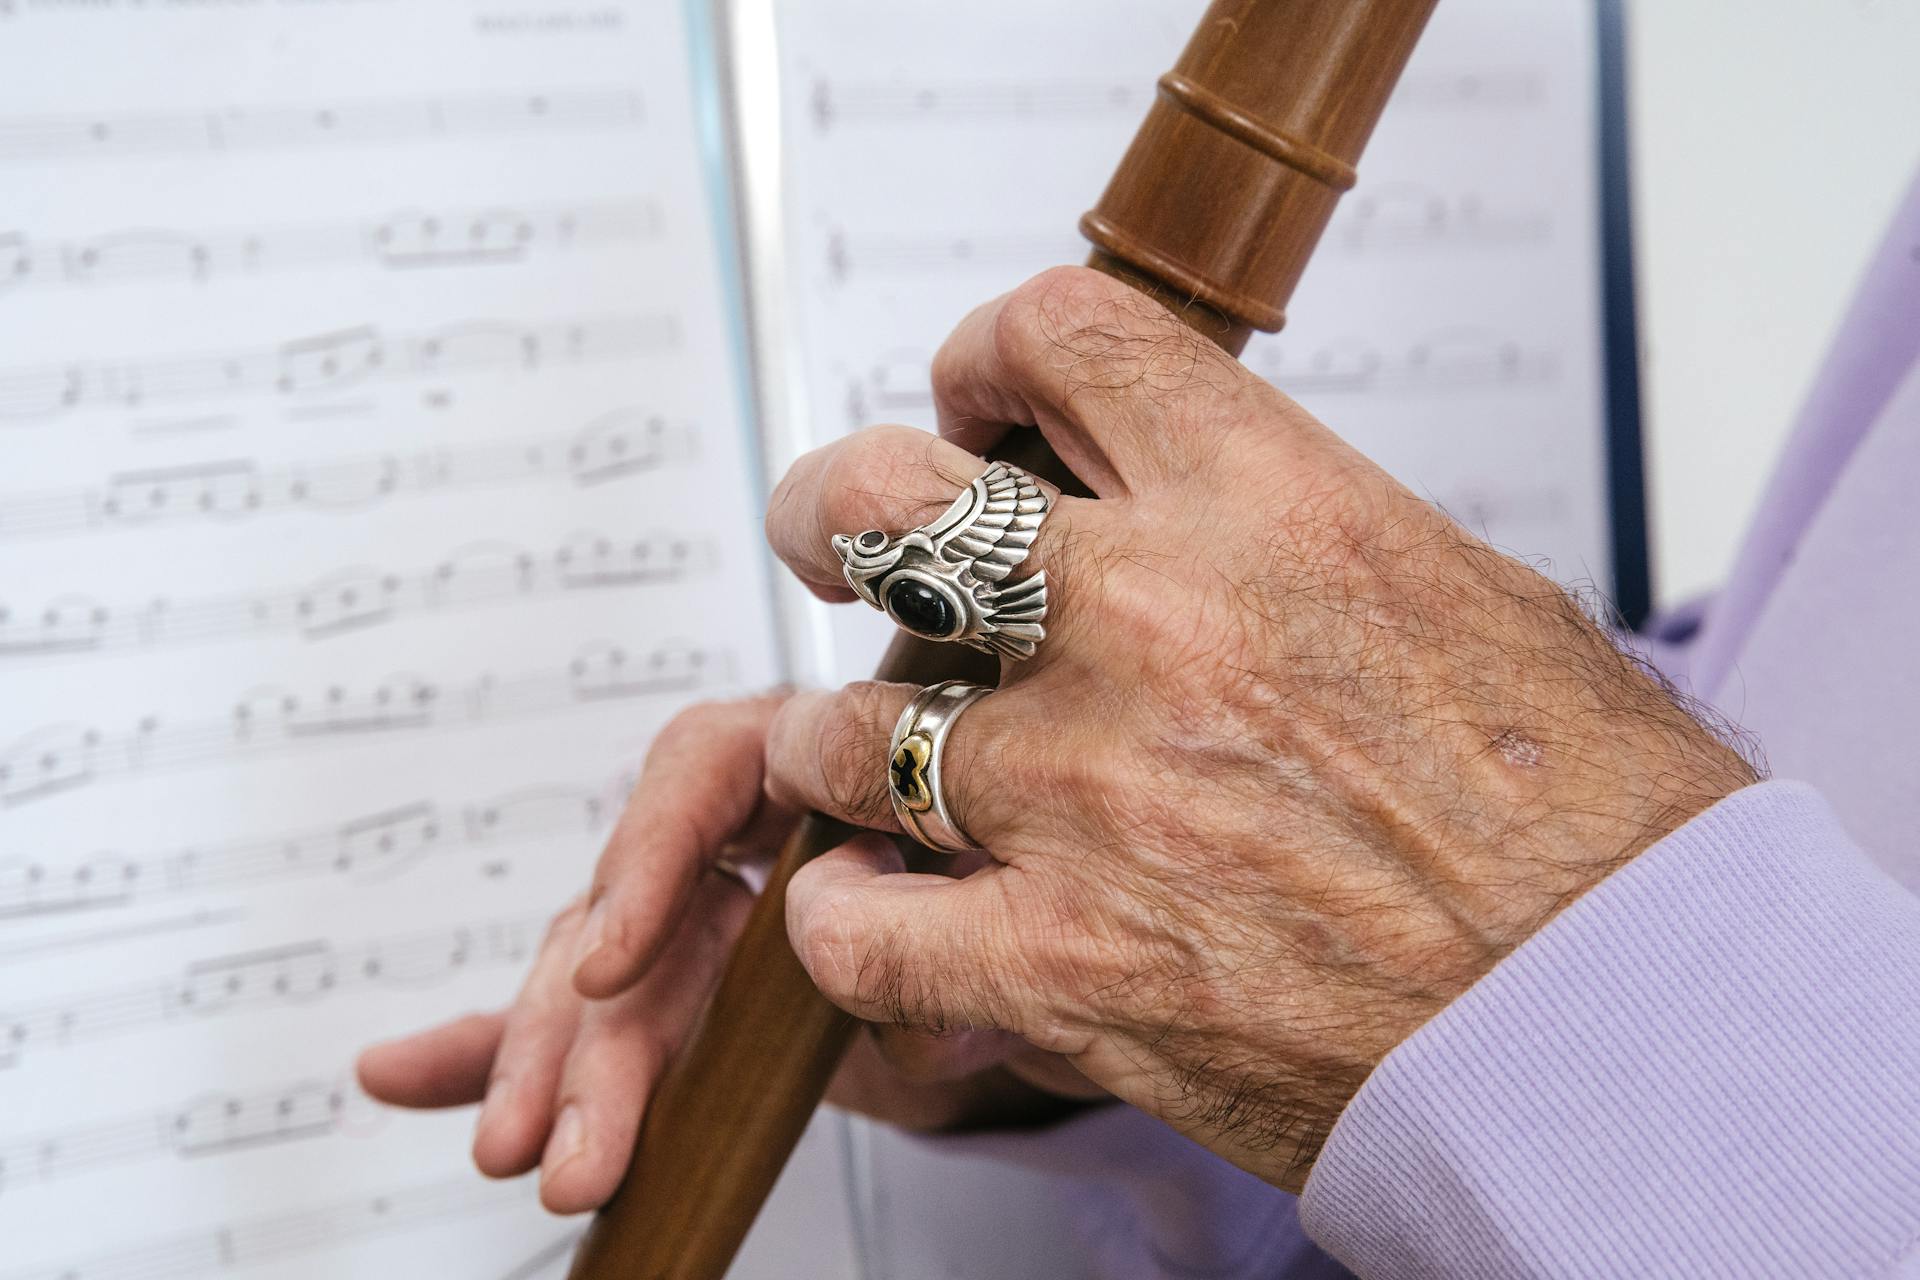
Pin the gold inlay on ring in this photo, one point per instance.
(907, 772)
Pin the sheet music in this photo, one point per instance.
(1449, 326)
(376, 480)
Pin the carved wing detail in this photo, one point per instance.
(1014, 614)
(992, 524)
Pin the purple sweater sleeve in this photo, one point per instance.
(1709, 1065)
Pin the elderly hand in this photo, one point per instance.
(622, 974)
(1299, 761)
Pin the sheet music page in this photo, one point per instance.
(376, 481)
(1449, 326)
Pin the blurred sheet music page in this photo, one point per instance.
(1450, 326)
(376, 482)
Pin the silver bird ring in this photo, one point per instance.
(913, 764)
(948, 580)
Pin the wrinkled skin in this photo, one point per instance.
(1299, 761)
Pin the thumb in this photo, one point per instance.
(919, 951)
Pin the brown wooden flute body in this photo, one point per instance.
(1214, 211)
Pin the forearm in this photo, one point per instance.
(1702, 1067)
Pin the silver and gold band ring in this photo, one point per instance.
(913, 764)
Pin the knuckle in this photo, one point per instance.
(828, 945)
(951, 371)
(1155, 614)
(853, 748)
(885, 984)
(871, 705)
(979, 774)
(872, 467)
(1024, 329)
(1072, 331)
(1143, 604)
(1009, 770)
(1040, 316)
(787, 489)
(688, 728)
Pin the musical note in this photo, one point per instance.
(331, 362)
(1460, 360)
(403, 240)
(345, 394)
(16, 260)
(1455, 361)
(209, 1124)
(288, 974)
(1390, 217)
(257, 128)
(356, 598)
(262, 1239)
(899, 104)
(1491, 88)
(898, 384)
(1408, 216)
(367, 848)
(613, 446)
(52, 760)
(269, 721)
(884, 255)
(265, 722)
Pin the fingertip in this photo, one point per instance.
(618, 944)
(444, 1066)
(575, 1175)
(497, 1162)
(606, 974)
(372, 1071)
(600, 958)
(600, 976)
(509, 1134)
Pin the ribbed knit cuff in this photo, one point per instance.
(1709, 1065)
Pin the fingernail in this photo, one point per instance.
(593, 934)
(569, 1135)
(497, 1090)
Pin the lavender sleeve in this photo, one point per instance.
(1709, 1065)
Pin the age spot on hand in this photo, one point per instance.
(1519, 750)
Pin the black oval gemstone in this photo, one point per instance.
(919, 608)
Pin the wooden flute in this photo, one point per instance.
(1214, 211)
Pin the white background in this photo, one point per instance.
(1772, 140)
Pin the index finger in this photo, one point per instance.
(1126, 393)
(700, 787)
